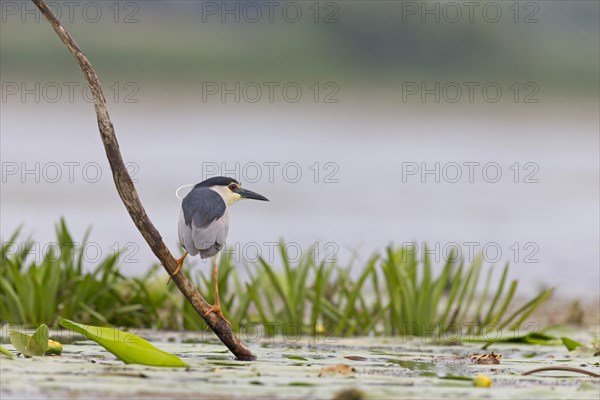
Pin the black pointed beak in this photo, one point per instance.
(248, 194)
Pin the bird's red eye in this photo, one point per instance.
(232, 187)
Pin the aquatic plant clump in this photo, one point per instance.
(394, 293)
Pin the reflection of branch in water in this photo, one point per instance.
(561, 368)
(131, 200)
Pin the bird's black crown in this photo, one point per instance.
(216, 181)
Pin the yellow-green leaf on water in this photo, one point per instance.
(129, 348)
(39, 341)
(570, 344)
(54, 348)
(4, 351)
(19, 340)
(31, 346)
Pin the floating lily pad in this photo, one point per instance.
(292, 357)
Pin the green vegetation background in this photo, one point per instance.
(370, 45)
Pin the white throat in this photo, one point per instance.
(227, 195)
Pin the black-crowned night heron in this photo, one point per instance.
(204, 222)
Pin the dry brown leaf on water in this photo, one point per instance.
(343, 369)
(486, 359)
(356, 358)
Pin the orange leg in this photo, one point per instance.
(179, 265)
(217, 307)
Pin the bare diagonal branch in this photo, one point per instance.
(131, 200)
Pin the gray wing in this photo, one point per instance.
(203, 222)
(202, 206)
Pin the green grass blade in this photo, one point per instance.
(527, 309)
(507, 300)
(457, 280)
(499, 290)
(482, 299)
(279, 288)
(469, 289)
(354, 294)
